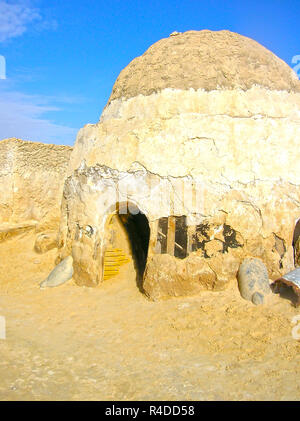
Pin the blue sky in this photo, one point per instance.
(62, 57)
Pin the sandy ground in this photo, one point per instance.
(112, 343)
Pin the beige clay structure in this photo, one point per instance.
(201, 137)
(31, 183)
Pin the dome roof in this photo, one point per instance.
(206, 60)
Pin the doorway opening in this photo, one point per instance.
(128, 235)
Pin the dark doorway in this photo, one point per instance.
(138, 231)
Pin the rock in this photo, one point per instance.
(253, 280)
(45, 241)
(226, 266)
(167, 277)
(60, 274)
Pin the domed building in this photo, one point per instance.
(193, 166)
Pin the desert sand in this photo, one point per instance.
(112, 343)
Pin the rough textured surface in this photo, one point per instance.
(253, 280)
(60, 274)
(31, 182)
(178, 278)
(204, 60)
(228, 224)
(222, 136)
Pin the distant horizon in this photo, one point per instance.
(62, 60)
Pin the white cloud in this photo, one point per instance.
(21, 116)
(15, 18)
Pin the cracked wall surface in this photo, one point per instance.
(224, 136)
(221, 228)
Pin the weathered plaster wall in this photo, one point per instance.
(223, 136)
(225, 224)
(31, 182)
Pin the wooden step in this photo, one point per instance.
(113, 259)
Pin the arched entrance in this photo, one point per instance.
(127, 236)
(296, 243)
